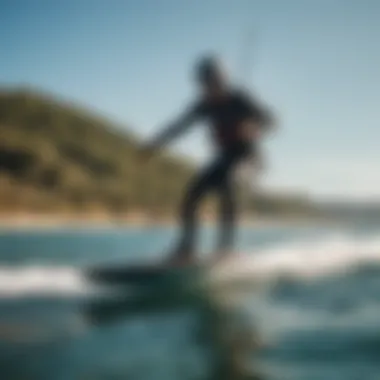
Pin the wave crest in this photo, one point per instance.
(298, 260)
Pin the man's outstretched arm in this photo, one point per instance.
(175, 128)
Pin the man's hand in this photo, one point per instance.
(250, 130)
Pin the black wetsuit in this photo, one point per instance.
(225, 117)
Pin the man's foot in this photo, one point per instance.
(180, 260)
(221, 256)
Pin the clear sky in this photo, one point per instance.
(316, 62)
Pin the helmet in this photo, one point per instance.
(208, 69)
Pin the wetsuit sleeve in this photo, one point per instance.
(179, 125)
(253, 110)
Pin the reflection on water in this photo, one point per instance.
(152, 335)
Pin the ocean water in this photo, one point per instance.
(314, 307)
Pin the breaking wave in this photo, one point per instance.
(297, 260)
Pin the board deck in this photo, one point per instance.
(229, 272)
(142, 275)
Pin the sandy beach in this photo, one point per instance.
(51, 221)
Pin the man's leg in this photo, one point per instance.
(227, 217)
(228, 201)
(200, 186)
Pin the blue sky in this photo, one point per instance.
(316, 62)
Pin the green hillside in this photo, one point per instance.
(56, 157)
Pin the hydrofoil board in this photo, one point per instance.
(143, 275)
(157, 276)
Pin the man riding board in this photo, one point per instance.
(237, 123)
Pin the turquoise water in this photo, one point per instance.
(315, 307)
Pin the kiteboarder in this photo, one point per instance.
(237, 122)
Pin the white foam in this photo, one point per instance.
(302, 260)
(305, 259)
(40, 280)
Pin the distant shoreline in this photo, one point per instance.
(30, 221)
